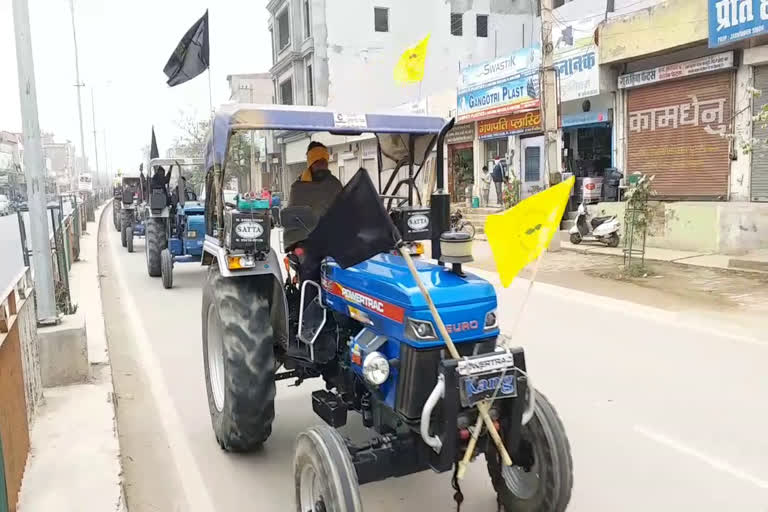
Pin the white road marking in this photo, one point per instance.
(192, 482)
(713, 462)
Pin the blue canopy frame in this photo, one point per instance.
(234, 117)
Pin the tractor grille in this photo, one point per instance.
(418, 373)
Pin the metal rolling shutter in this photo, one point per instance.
(688, 162)
(759, 182)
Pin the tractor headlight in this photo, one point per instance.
(491, 320)
(191, 234)
(420, 330)
(375, 368)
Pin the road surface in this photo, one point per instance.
(664, 411)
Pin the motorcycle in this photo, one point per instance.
(600, 229)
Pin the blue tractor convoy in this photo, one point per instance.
(185, 243)
(370, 333)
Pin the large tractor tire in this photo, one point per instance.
(323, 472)
(544, 479)
(155, 241)
(123, 238)
(239, 359)
(116, 215)
(129, 238)
(166, 268)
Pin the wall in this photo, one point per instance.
(741, 167)
(667, 25)
(730, 228)
(361, 61)
(256, 88)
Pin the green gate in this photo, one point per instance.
(3, 489)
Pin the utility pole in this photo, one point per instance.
(95, 140)
(548, 81)
(78, 84)
(34, 168)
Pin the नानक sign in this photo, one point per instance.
(734, 20)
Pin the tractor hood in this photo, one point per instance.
(383, 286)
(193, 208)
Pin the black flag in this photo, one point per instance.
(190, 58)
(153, 152)
(355, 227)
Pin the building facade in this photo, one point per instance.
(12, 183)
(59, 158)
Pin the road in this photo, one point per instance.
(664, 411)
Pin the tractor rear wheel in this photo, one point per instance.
(323, 473)
(116, 215)
(166, 268)
(129, 237)
(156, 240)
(238, 358)
(544, 479)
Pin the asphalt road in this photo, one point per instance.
(663, 411)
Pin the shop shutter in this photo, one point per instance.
(689, 161)
(759, 185)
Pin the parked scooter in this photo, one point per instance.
(600, 229)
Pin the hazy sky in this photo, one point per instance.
(123, 47)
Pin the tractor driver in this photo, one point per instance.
(315, 188)
(160, 180)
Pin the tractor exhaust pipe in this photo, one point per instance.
(440, 204)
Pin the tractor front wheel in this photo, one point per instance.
(129, 237)
(116, 215)
(239, 358)
(155, 241)
(323, 473)
(542, 476)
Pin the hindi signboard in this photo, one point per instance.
(522, 122)
(693, 67)
(734, 20)
(579, 72)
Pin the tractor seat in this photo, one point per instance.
(601, 220)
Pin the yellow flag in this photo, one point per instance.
(410, 67)
(519, 235)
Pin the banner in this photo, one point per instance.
(579, 72)
(707, 64)
(509, 125)
(734, 20)
(521, 62)
(514, 94)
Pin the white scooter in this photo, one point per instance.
(599, 229)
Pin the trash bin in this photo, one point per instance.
(611, 184)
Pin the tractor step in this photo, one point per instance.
(330, 408)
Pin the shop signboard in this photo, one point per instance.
(708, 64)
(579, 72)
(521, 61)
(461, 133)
(513, 94)
(582, 118)
(522, 122)
(734, 20)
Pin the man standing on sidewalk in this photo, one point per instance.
(498, 178)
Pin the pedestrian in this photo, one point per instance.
(485, 186)
(498, 178)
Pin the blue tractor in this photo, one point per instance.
(174, 218)
(433, 393)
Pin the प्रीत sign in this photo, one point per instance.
(734, 20)
(707, 64)
(509, 125)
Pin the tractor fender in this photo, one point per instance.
(269, 266)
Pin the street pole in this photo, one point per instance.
(78, 84)
(548, 80)
(95, 140)
(34, 168)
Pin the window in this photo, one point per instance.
(283, 30)
(310, 86)
(532, 163)
(457, 22)
(286, 92)
(307, 20)
(482, 25)
(381, 19)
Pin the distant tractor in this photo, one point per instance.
(130, 222)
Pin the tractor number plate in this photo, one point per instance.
(487, 376)
(498, 384)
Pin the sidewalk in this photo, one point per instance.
(74, 461)
(752, 261)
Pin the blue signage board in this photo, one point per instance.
(510, 95)
(583, 118)
(734, 20)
